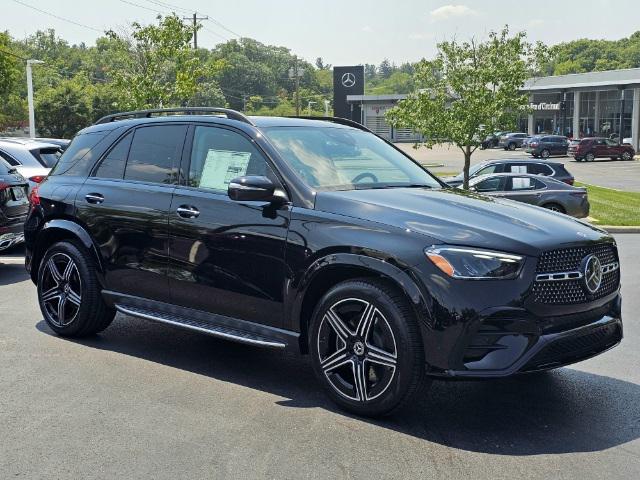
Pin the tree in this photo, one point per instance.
(320, 65)
(64, 109)
(160, 69)
(469, 88)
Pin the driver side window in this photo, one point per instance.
(219, 155)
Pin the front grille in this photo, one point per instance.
(577, 347)
(572, 291)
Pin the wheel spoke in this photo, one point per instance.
(338, 325)
(68, 271)
(334, 360)
(73, 298)
(50, 294)
(366, 320)
(359, 380)
(61, 309)
(379, 356)
(53, 270)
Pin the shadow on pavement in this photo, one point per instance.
(12, 271)
(550, 413)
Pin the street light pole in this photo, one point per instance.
(32, 122)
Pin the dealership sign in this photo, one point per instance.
(545, 106)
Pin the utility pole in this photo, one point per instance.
(326, 108)
(295, 73)
(195, 19)
(32, 122)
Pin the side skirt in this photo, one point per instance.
(204, 322)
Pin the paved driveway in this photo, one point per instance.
(613, 174)
(146, 401)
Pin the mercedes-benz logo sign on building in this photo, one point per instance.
(592, 273)
(348, 79)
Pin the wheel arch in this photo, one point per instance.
(336, 268)
(56, 230)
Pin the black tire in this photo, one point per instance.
(512, 146)
(79, 291)
(554, 207)
(545, 153)
(534, 155)
(589, 157)
(393, 329)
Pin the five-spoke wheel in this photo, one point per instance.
(61, 289)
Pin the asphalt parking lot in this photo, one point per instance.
(144, 400)
(604, 172)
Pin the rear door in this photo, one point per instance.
(523, 189)
(601, 148)
(125, 205)
(613, 148)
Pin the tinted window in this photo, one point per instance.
(487, 170)
(112, 166)
(4, 167)
(489, 185)
(612, 143)
(155, 154)
(539, 169)
(79, 147)
(546, 139)
(219, 155)
(9, 159)
(48, 157)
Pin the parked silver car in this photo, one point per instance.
(535, 190)
(31, 158)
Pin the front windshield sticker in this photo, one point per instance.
(222, 166)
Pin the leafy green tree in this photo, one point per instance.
(160, 68)
(468, 89)
(64, 109)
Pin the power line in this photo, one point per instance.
(58, 17)
(169, 6)
(141, 6)
(6, 52)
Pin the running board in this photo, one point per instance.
(203, 325)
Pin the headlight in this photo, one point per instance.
(475, 264)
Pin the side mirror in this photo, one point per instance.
(251, 188)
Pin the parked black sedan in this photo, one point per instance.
(556, 170)
(14, 205)
(535, 190)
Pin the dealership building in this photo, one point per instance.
(585, 104)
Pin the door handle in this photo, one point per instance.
(94, 198)
(186, 211)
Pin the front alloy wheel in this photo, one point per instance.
(366, 347)
(357, 349)
(626, 156)
(61, 289)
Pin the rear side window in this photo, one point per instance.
(79, 147)
(155, 154)
(9, 159)
(48, 157)
(113, 164)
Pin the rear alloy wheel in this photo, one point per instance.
(554, 207)
(366, 348)
(512, 146)
(626, 156)
(544, 153)
(589, 157)
(69, 292)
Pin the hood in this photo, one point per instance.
(458, 217)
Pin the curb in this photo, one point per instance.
(619, 229)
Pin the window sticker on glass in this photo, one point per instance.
(521, 183)
(518, 169)
(222, 166)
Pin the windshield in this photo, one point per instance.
(472, 171)
(329, 158)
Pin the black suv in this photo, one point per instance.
(315, 236)
(546, 145)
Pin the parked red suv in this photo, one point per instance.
(591, 148)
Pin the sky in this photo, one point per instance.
(342, 32)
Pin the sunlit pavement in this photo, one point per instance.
(143, 400)
(622, 175)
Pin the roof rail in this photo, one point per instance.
(341, 121)
(231, 114)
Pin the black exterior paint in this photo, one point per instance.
(341, 108)
(258, 262)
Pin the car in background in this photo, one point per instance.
(556, 170)
(547, 145)
(511, 141)
(491, 140)
(535, 190)
(591, 148)
(573, 146)
(31, 158)
(14, 205)
(63, 143)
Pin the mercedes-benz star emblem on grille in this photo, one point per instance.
(348, 79)
(592, 273)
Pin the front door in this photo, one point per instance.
(125, 205)
(226, 257)
(523, 189)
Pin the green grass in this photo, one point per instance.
(613, 207)
(443, 174)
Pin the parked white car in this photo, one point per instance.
(32, 159)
